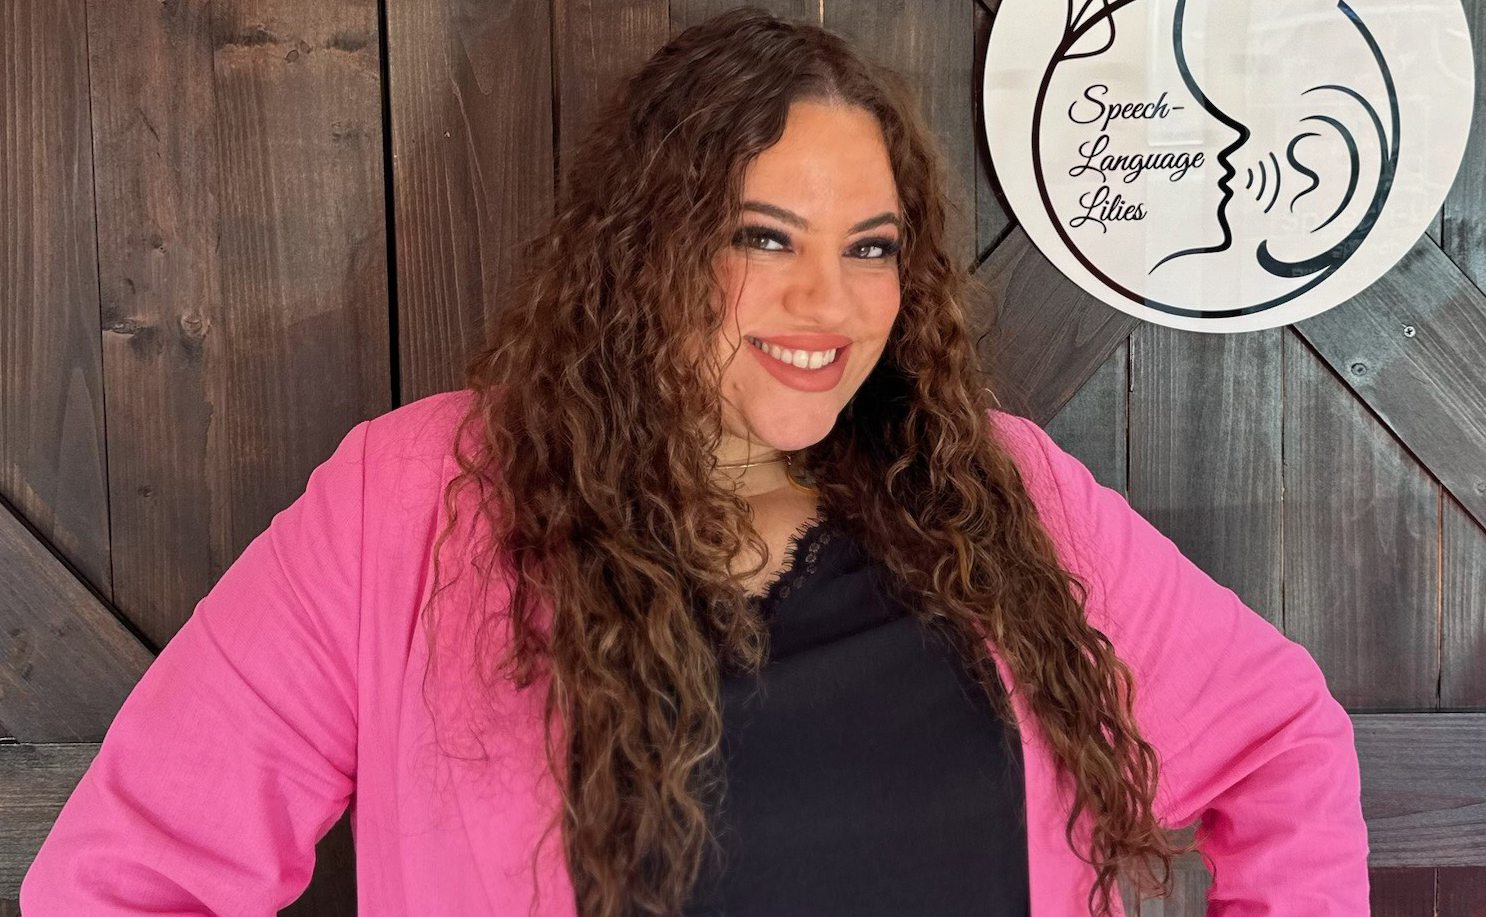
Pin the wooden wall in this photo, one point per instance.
(205, 206)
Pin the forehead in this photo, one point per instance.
(829, 155)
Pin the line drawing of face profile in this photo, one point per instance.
(1209, 160)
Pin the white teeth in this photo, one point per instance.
(804, 359)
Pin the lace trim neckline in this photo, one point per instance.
(800, 554)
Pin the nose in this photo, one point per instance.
(818, 290)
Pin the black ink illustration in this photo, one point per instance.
(1315, 183)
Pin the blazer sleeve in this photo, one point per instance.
(236, 751)
(1250, 739)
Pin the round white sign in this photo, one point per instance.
(1225, 166)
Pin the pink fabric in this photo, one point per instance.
(294, 690)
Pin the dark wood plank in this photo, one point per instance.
(1205, 414)
(1092, 426)
(1401, 892)
(1463, 236)
(597, 47)
(35, 781)
(472, 162)
(1462, 614)
(1462, 891)
(932, 44)
(1046, 335)
(1410, 346)
(242, 252)
(993, 217)
(66, 663)
(52, 465)
(1359, 584)
(159, 216)
(1361, 546)
(1423, 788)
(687, 13)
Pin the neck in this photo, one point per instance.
(749, 468)
(760, 477)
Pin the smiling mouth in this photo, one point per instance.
(799, 359)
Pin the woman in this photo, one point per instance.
(705, 633)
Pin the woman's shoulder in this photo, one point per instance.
(1045, 470)
(409, 461)
(420, 431)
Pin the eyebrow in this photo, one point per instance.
(795, 219)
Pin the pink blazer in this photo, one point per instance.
(293, 691)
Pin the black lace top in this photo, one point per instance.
(867, 773)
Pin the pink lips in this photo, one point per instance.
(805, 380)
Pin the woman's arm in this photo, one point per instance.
(236, 752)
(1251, 739)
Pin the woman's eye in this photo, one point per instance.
(750, 236)
(883, 248)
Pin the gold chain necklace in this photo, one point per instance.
(806, 488)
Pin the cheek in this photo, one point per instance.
(739, 293)
(887, 307)
(748, 296)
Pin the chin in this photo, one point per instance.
(791, 437)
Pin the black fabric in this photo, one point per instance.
(867, 773)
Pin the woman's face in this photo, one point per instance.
(813, 267)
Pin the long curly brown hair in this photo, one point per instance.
(599, 412)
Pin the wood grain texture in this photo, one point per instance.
(1047, 335)
(1463, 610)
(1401, 893)
(1361, 546)
(159, 222)
(66, 663)
(1463, 232)
(993, 216)
(597, 46)
(931, 43)
(687, 13)
(1410, 346)
(1205, 414)
(1462, 891)
(52, 451)
(1093, 425)
(242, 254)
(1423, 788)
(35, 781)
(470, 87)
